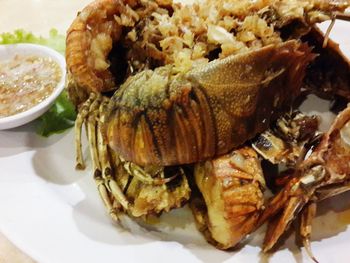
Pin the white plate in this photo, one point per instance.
(54, 213)
(8, 52)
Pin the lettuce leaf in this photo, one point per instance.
(61, 115)
(58, 118)
(55, 40)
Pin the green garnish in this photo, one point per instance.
(61, 115)
(55, 40)
(58, 118)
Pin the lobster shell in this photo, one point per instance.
(156, 118)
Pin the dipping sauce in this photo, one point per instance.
(25, 81)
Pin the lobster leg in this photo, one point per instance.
(109, 183)
(88, 114)
(93, 142)
(333, 190)
(278, 226)
(307, 215)
(276, 204)
(91, 133)
(104, 194)
(136, 171)
(325, 173)
(82, 114)
(295, 196)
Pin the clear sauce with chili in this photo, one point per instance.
(25, 81)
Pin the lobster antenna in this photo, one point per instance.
(342, 16)
(335, 16)
(329, 29)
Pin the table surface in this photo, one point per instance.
(37, 16)
(10, 254)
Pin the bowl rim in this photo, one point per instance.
(35, 49)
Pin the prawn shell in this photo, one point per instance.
(208, 111)
(95, 20)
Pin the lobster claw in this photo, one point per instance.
(167, 119)
(325, 173)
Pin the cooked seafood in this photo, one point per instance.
(135, 190)
(323, 174)
(217, 101)
(286, 143)
(90, 39)
(322, 81)
(154, 33)
(192, 85)
(158, 117)
(231, 197)
(328, 85)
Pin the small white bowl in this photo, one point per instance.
(8, 52)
